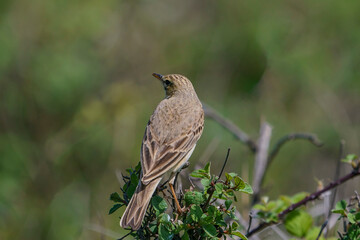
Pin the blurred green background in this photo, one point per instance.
(76, 92)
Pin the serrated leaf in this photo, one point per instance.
(115, 197)
(115, 207)
(210, 230)
(298, 222)
(239, 234)
(159, 204)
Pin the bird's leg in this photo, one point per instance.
(179, 210)
(171, 184)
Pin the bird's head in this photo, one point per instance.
(175, 84)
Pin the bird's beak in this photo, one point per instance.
(158, 76)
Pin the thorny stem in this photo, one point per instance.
(307, 199)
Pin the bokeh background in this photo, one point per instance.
(76, 92)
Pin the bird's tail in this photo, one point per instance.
(136, 209)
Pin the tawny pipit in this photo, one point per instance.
(169, 140)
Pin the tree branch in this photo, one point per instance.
(307, 199)
(230, 126)
(293, 136)
(261, 159)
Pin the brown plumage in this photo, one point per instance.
(169, 140)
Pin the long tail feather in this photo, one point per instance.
(135, 211)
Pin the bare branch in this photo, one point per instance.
(261, 158)
(230, 126)
(293, 136)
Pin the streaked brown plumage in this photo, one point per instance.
(169, 140)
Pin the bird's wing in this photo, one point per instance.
(159, 156)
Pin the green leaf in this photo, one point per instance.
(228, 177)
(164, 218)
(202, 173)
(219, 188)
(349, 158)
(228, 203)
(298, 222)
(193, 197)
(313, 233)
(357, 216)
(351, 218)
(115, 197)
(239, 234)
(205, 182)
(232, 215)
(134, 180)
(185, 236)
(210, 230)
(239, 183)
(138, 167)
(164, 233)
(159, 204)
(247, 189)
(234, 225)
(207, 168)
(195, 213)
(341, 205)
(353, 232)
(115, 207)
(342, 212)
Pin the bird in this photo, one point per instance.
(170, 138)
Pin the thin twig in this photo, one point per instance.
(226, 159)
(307, 199)
(230, 126)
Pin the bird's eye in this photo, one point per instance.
(167, 82)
